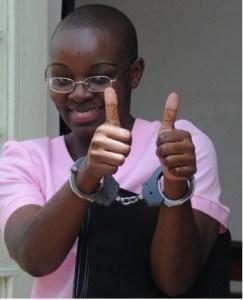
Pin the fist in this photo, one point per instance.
(110, 144)
(175, 148)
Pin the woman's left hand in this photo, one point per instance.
(175, 148)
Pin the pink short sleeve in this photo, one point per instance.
(207, 193)
(18, 183)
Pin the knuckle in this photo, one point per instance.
(103, 129)
(183, 134)
(188, 145)
(127, 135)
(92, 155)
(192, 147)
(167, 160)
(114, 169)
(191, 162)
(158, 141)
(187, 135)
(121, 160)
(97, 141)
(127, 150)
(100, 128)
(162, 136)
(158, 152)
(162, 150)
(178, 170)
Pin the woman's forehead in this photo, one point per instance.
(85, 40)
(80, 50)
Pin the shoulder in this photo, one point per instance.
(34, 157)
(153, 126)
(204, 147)
(201, 140)
(33, 147)
(150, 128)
(190, 127)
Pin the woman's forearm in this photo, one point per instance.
(45, 235)
(176, 254)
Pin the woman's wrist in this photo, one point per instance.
(175, 189)
(87, 183)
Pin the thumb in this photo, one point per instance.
(170, 111)
(111, 107)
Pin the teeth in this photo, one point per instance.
(85, 113)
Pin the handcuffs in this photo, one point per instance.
(108, 191)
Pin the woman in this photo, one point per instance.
(94, 66)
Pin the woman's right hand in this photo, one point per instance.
(108, 149)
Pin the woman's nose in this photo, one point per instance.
(79, 92)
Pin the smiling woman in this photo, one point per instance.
(94, 46)
(80, 70)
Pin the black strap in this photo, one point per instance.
(81, 260)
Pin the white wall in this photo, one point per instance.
(194, 48)
(54, 16)
(27, 58)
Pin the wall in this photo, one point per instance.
(54, 16)
(194, 48)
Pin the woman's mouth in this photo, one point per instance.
(85, 116)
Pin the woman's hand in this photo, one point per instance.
(176, 152)
(175, 148)
(109, 146)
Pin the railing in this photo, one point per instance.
(7, 276)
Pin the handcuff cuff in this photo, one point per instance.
(108, 191)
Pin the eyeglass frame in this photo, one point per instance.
(83, 82)
(74, 83)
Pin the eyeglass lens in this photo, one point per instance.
(94, 84)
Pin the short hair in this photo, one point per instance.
(103, 17)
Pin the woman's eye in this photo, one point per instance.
(62, 81)
(99, 80)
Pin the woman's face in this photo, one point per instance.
(81, 53)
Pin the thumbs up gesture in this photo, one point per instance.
(175, 148)
(110, 144)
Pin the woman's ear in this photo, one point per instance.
(136, 72)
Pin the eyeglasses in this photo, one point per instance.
(93, 84)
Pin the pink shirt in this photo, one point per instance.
(31, 172)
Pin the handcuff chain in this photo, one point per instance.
(129, 200)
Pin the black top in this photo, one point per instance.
(113, 258)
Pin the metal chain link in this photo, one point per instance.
(129, 200)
